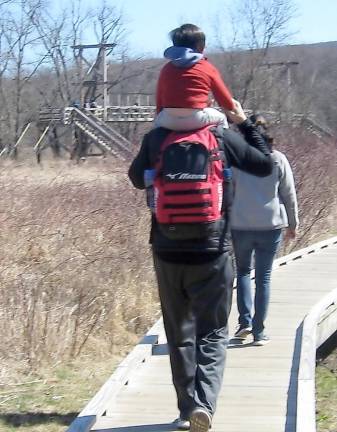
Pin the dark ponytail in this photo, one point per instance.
(262, 125)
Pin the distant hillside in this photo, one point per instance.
(312, 83)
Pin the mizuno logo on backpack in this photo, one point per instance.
(186, 176)
(188, 187)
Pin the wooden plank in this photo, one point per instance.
(230, 395)
(141, 423)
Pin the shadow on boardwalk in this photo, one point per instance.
(37, 418)
(160, 427)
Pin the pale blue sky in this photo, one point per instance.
(149, 21)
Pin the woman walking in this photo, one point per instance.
(262, 207)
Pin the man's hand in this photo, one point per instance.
(237, 115)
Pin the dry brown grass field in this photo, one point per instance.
(76, 285)
(76, 282)
(326, 393)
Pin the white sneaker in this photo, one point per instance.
(200, 420)
(261, 341)
(182, 424)
(242, 332)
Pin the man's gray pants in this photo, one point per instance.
(196, 302)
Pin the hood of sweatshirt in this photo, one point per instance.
(182, 57)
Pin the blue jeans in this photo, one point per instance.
(264, 244)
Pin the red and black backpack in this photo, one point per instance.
(189, 184)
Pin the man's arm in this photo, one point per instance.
(146, 156)
(249, 152)
(139, 164)
(252, 156)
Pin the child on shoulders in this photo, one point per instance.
(185, 84)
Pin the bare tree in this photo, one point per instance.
(255, 27)
(5, 124)
(57, 35)
(19, 40)
(109, 25)
(73, 66)
(314, 161)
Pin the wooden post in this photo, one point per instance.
(105, 84)
(289, 88)
(22, 135)
(37, 145)
(94, 81)
(81, 78)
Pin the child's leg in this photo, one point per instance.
(197, 120)
(213, 116)
(177, 122)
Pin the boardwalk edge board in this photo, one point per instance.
(318, 326)
(316, 247)
(97, 406)
(314, 334)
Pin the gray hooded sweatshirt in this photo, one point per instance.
(265, 203)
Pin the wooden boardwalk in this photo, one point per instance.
(259, 391)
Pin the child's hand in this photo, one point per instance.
(237, 115)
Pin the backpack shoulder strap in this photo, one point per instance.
(156, 138)
(218, 131)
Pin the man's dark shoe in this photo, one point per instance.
(181, 424)
(200, 420)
